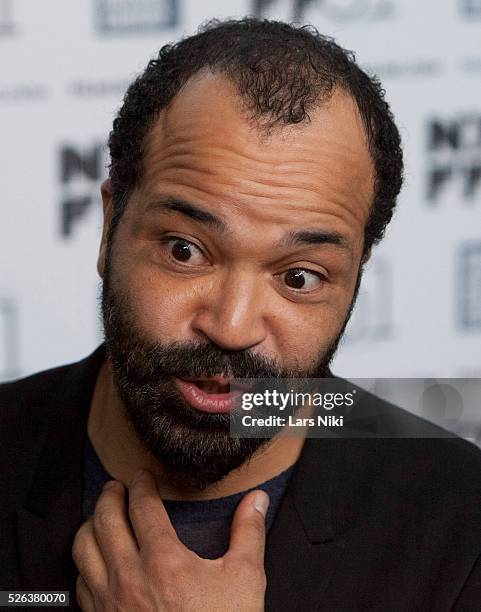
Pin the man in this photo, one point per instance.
(254, 166)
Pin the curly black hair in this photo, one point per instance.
(282, 71)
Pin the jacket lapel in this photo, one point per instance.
(52, 511)
(302, 548)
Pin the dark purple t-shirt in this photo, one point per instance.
(203, 526)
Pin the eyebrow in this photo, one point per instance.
(314, 237)
(290, 239)
(193, 211)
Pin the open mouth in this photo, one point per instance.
(210, 393)
(218, 384)
(212, 386)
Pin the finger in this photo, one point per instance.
(248, 532)
(148, 515)
(88, 558)
(84, 597)
(111, 527)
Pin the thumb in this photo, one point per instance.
(248, 532)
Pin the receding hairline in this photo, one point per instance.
(258, 125)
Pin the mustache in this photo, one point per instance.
(191, 360)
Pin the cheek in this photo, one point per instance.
(161, 305)
(303, 338)
(305, 333)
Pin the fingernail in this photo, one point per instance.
(109, 484)
(261, 503)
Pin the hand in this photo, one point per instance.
(150, 569)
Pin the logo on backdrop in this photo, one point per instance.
(336, 10)
(470, 8)
(136, 16)
(454, 158)
(9, 339)
(469, 286)
(372, 317)
(7, 25)
(81, 170)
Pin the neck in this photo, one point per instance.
(122, 453)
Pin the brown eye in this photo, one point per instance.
(181, 250)
(185, 251)
(302, 279)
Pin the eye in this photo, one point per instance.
(302, 280)
(184, 251)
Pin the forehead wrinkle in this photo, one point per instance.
(305, 153)
(198, 154)
(244, 191)
(216, 161)
(329, 208)
(194, 153)
(290, 174)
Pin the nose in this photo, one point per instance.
(231, 314)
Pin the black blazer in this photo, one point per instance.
(366, 524)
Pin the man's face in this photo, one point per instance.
(236, 255)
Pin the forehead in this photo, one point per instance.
(205, 149)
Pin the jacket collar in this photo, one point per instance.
(52, 510)
(64, 428)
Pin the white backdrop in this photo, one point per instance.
(64, 68)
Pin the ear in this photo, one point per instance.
(106, 191)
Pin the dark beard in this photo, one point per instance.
(194, 448)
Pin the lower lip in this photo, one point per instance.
(206, 402)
